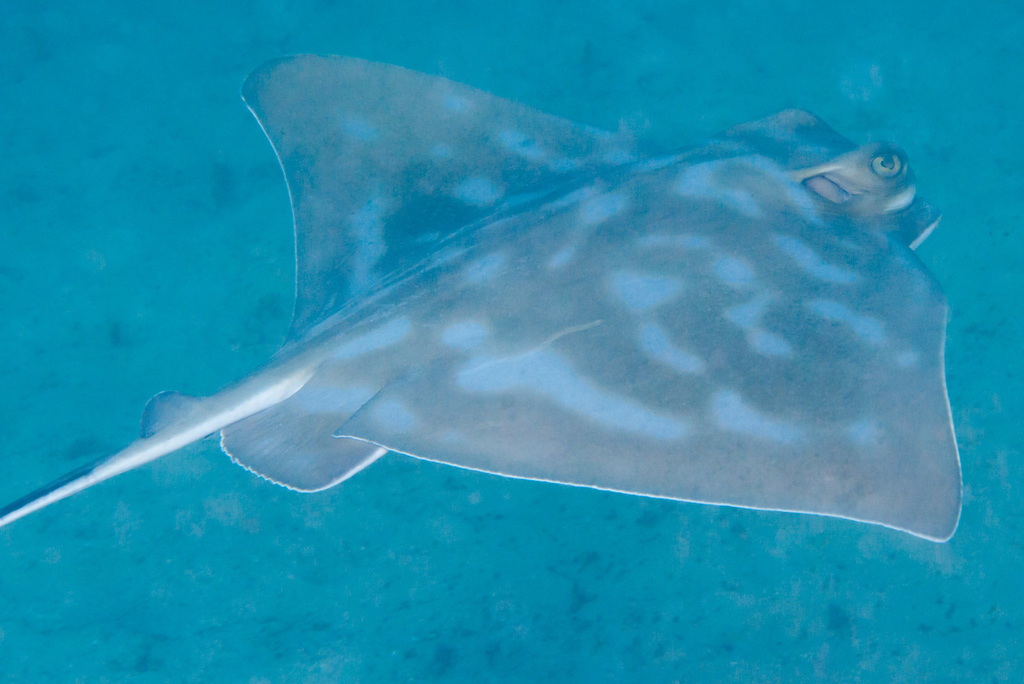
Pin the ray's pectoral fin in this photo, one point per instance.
(382, 163)
(551, 413)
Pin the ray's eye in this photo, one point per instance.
(887, 165)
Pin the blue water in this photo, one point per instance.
(145, 244)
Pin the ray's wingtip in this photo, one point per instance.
(251, 81)
(952, 530)
(942, 534)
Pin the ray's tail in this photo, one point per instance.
(172, 421)
(84, 477)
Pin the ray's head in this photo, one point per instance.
(872, 180)
(873, 183)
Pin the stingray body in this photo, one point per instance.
(484, 285)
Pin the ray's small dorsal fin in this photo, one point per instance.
(382, 163)
(164, 409)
